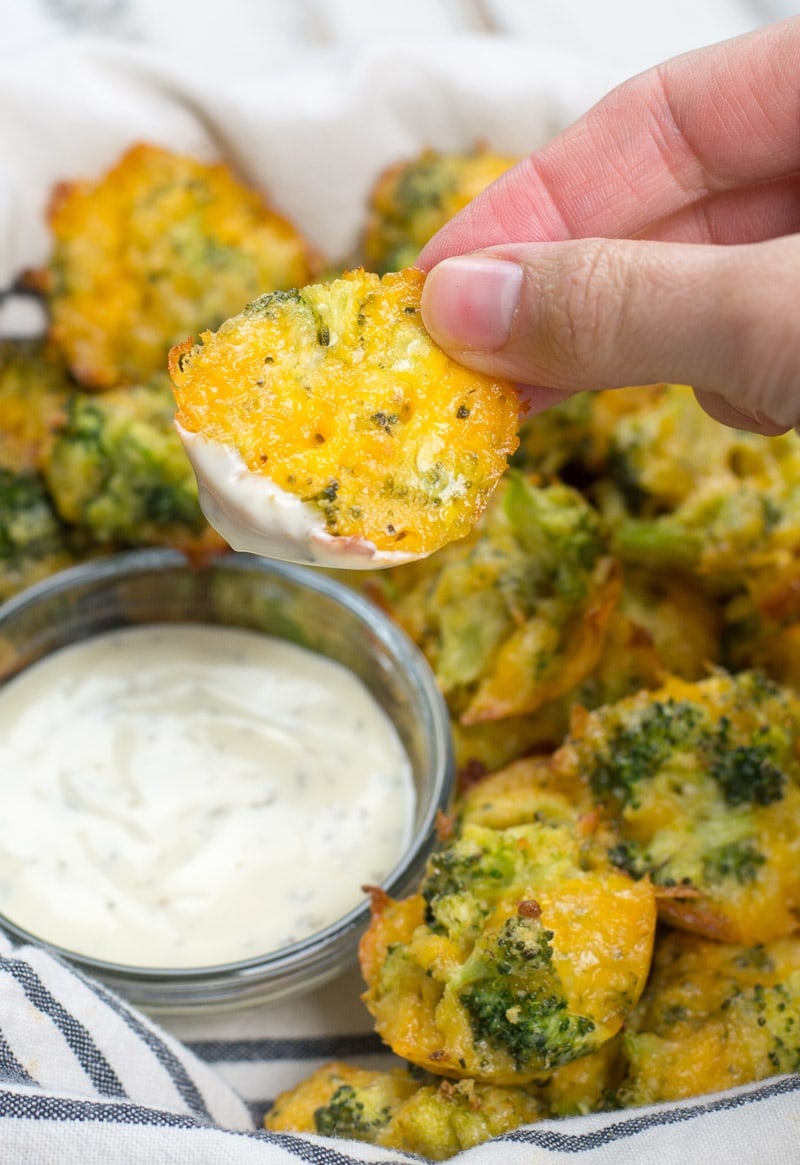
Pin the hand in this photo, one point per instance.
(652, 241)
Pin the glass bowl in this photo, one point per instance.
(294, 603)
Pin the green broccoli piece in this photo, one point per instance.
(354, 1113)
(514, 999)
(739, 860)
(560, 535)
(464, 879)
(746, 773)
(630, 857)
(657, 542)
(637, 750)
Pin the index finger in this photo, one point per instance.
(720, 119)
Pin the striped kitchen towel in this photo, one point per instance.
(86, 1078)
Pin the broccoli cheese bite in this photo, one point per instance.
(116, 471)
(629, 661)
(524, 950)
(713, 1016)
(682, 491)
(701, 782)
(412, 199)
(325, 426)
(34, 389)
(341, 1100)
(155, 249)
(515, 614)
(683, 622)
(762, 626)
(399, 1109)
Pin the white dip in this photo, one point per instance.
(178, 796)
(254, 514)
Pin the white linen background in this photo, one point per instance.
(310, 100)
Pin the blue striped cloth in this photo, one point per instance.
(86, 1078)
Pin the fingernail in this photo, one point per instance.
(469, 302)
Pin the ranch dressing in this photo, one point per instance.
(185, 795)
(254, 514)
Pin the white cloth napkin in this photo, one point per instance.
(314, 136)
(84, 1079)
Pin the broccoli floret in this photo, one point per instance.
(746, 773)
(637, 750)
(739, 860)
(265, 303)
(117, 469)
(463, 879)
(527, 1026)
(28, 524)
(529, 1020)
(562, 538)
(350, 1114)
(630, 857)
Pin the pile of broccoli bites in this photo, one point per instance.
(608, 596)
(611, 924)
(617, 641)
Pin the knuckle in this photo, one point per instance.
(760, 372)
(585, 309)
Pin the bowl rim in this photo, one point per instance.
(182, 988)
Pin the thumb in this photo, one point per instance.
(603, 313)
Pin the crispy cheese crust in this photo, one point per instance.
(336, 393)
